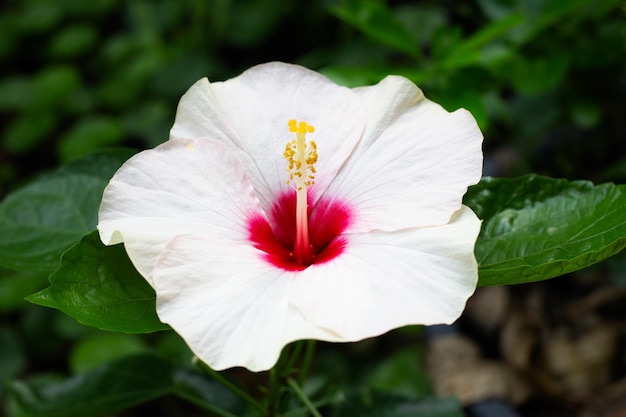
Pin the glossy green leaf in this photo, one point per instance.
(371, 404)
(535, 228)
(106, 389)
(99, 286)
(43, 219)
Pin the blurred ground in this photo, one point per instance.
(551, 349)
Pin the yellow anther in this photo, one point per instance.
(300, 155)
(292, 125)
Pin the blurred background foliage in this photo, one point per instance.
(546, 80)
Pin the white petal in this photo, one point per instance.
(386, 280)
(414, 162)
(182, 186)
(231, 307)
(249, 114)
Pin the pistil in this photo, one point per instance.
(301, 157)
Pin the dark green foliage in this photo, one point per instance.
(102, 390)
(43, 219)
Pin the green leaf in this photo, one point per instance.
(106, 389)
(371, 404)
(377, 22)
(99, 286)
(43, 219)
(534, 76)
(535, 228)
(468, 52)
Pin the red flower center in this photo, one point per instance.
(276, 235)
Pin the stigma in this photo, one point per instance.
(301, 156)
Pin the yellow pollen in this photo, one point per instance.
(301, 155)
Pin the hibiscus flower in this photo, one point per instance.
(285, 207)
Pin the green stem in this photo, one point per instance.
(235, 389)
(277, 375)
(306, 362)
(285, 370)
(271, 399)
(294, 385)
(304, 411)
(293, 358)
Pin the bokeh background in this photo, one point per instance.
(546, 80)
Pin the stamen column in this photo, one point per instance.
(301, 157)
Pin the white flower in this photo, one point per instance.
(217, 221)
